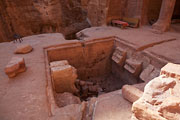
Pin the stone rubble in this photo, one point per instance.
(15, 66)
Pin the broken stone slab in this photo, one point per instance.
(171, 70)
(59, 63)
(23, 49)
(15, 66)
(63, 78)
(66, 98)
(133, 66)
(161, 97)
(119, 56)
(149, 73)
(131, 93)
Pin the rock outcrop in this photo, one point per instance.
(40, 16)
(161, 97)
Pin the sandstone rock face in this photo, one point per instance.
(23, 49)
(161, 97)
(15, 66)
(63, 77)
(66, 98)
(131, 93)
(34, 17)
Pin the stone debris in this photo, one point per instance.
(15, 66)
(131, 93)
(63, 77)
(87, 89)
(23, 49)
(161, 97)
(119, 56)
(133, 66)
(66, 98)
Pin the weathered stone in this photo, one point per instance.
(62, 16)
(149, 73)
(66, 98)
(58, 63)
(64, 78)
(23, 49)
(133, 66)
(161, 97)
(119, 56)
(171, 70)
(131, 93)
(15, 66)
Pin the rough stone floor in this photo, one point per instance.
(24, 97)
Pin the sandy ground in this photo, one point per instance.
(24, 97)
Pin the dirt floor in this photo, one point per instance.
(24, 97)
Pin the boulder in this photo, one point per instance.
(66, 98)
(23, 49)
(161, 97)
(15, 66)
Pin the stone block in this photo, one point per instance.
(171, 70)
(58, 63)
(64, 78)
(133, 66)
(23, 49)
(119, 56)
(15, 66)
(131, 93)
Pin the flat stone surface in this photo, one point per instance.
(112, 106)
(24, 97)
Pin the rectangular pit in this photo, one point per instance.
(93, 61)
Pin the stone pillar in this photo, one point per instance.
(165, 16)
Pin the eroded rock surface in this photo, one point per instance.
(161, 97)
(40, 16)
